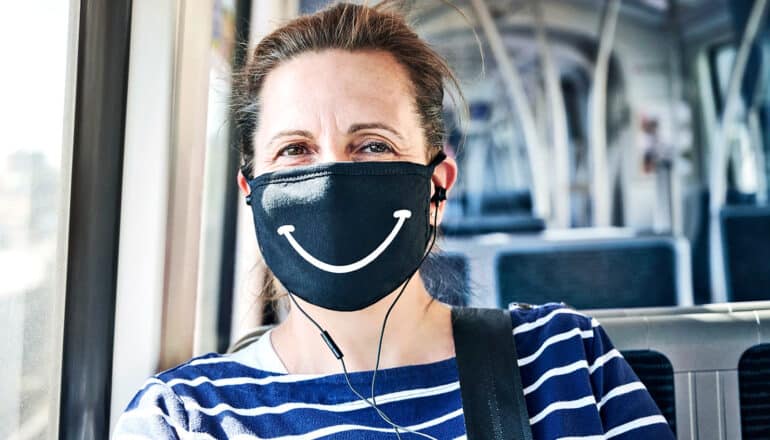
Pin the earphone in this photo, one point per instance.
(438, 196)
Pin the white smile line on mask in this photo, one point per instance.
(286, 230)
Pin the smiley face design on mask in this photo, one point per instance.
(402, 215)
(326, 231)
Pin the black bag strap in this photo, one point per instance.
(490, 381)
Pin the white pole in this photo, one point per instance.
(558, 112)
(718, 156)
(600, 187)
(519, 102)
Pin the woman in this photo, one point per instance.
(341, 145)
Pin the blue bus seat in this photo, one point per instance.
(471, 214)
(746, 239)
(510, 224)
(606, 273)
(656, 373)
(720, 363)
(697, 203)
(754, 383)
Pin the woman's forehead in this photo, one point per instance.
(349, 87)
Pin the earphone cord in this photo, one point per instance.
(392, 305)
(338, 353)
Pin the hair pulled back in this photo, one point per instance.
(350, 27)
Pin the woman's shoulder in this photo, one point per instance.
(163, 403)
(254, 359)
(158, 410)
(573, 375)
(209, 368)
(553, 333)
(548, 318)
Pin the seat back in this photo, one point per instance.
(754, 383)
(720, 365)
(746, 238)
(657, 374)
(745, 306)
(606, 273)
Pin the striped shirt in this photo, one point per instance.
(577, 386)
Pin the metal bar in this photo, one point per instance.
(97, 162)
(755, 133)
(230, 214)
(677, 70)
(718, 157)
(755, 127)
(561, 188)
(519, 102)
(598, 119)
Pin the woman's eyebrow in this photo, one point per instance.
(303, 133)
(369, 125)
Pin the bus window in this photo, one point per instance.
(35, 145)
(219, 196)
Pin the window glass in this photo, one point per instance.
(36, 47)
(218, 179)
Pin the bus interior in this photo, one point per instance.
(614, 155)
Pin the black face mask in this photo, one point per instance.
(343, 235)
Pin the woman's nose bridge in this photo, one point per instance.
(334, 149)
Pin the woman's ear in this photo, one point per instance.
(444, 176)
(243, 184)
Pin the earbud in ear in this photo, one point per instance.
(439, 195)
(246, 173)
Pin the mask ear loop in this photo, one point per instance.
(437, 198)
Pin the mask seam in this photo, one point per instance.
(292, 179)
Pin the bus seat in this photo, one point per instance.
(754, 383)
(746, 238)
(603, 273)
(681, 310)
(657, 374)
(720, 364)
(495, 202)
(477, 225)
(506, 202)
(698, 233)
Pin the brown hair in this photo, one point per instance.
(348, 27)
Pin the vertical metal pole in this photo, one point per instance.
(561, 188)
(519, 102)
(676, 70)
(95, 200)
(718, 157)
(230, 221)
(755, 127)
(755, 133)
(598, 132)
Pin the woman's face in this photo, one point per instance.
(334, 106)
(340, 106)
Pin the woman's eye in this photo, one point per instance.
(293, 150)
(376, 148)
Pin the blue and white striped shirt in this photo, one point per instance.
(577, 386)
